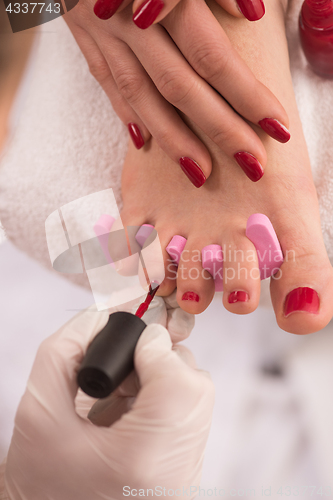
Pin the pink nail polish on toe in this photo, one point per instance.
(146, 14)
(238, 296)
(275, 129)
(193, 171)
(302, 299)
(191, 296)
(250, 165)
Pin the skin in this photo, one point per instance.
(156, 192)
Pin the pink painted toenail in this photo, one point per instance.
(143, 233)
(212, 261)
(260, 231)
(302, 299)
(191, 296)
(176, 247)
(102, 229)
(239, 296)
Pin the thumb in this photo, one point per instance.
(171, 389)
(154, 353)
(52, 382)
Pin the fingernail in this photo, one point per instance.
(146, 14)
(302, 299)
(136, 135)
(104, 9)
(193, 171)
(238, 297)
(275, 129)
(253, 10)
(250, 165)
(193, 297)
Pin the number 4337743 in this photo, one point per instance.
(30, 8)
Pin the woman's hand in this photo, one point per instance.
(151, 432)
(188, 64)
(147, 12)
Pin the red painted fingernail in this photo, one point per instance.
(146, 14)
(238, 297)
(302, 299)
(250, 165)
(253, 10)
(275, 129)
(193, 297)
(193, 171)
(104, 9)
(136, 135)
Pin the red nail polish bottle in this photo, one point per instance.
(316, 33)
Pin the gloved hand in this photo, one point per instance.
(57, 455)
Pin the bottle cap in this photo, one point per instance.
(110, 356)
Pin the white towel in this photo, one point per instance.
(314, 97)
(67, 142)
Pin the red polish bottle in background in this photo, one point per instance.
(316, 33)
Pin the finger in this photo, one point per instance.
(179, 324)
(253, 10)
(166, 378)
(106, 412)
(148, 12)
(213, 57)
(105, 9)
(185, 355)
(83, 403)
(52, 383)
(187, 91)
(163, 121)
(100, 70)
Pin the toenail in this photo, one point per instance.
(302, 299)
(250, 165)
(275, 129)
(192, 296)
(238, 296)
(136, 135)
(193, 171)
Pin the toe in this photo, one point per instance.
(134, 220)
(241, 276)
(170, 279)
(195, 286)
(302, 292)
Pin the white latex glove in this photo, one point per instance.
(57, 455)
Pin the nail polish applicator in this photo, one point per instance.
(109, 358)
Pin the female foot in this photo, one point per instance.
(155, 192)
